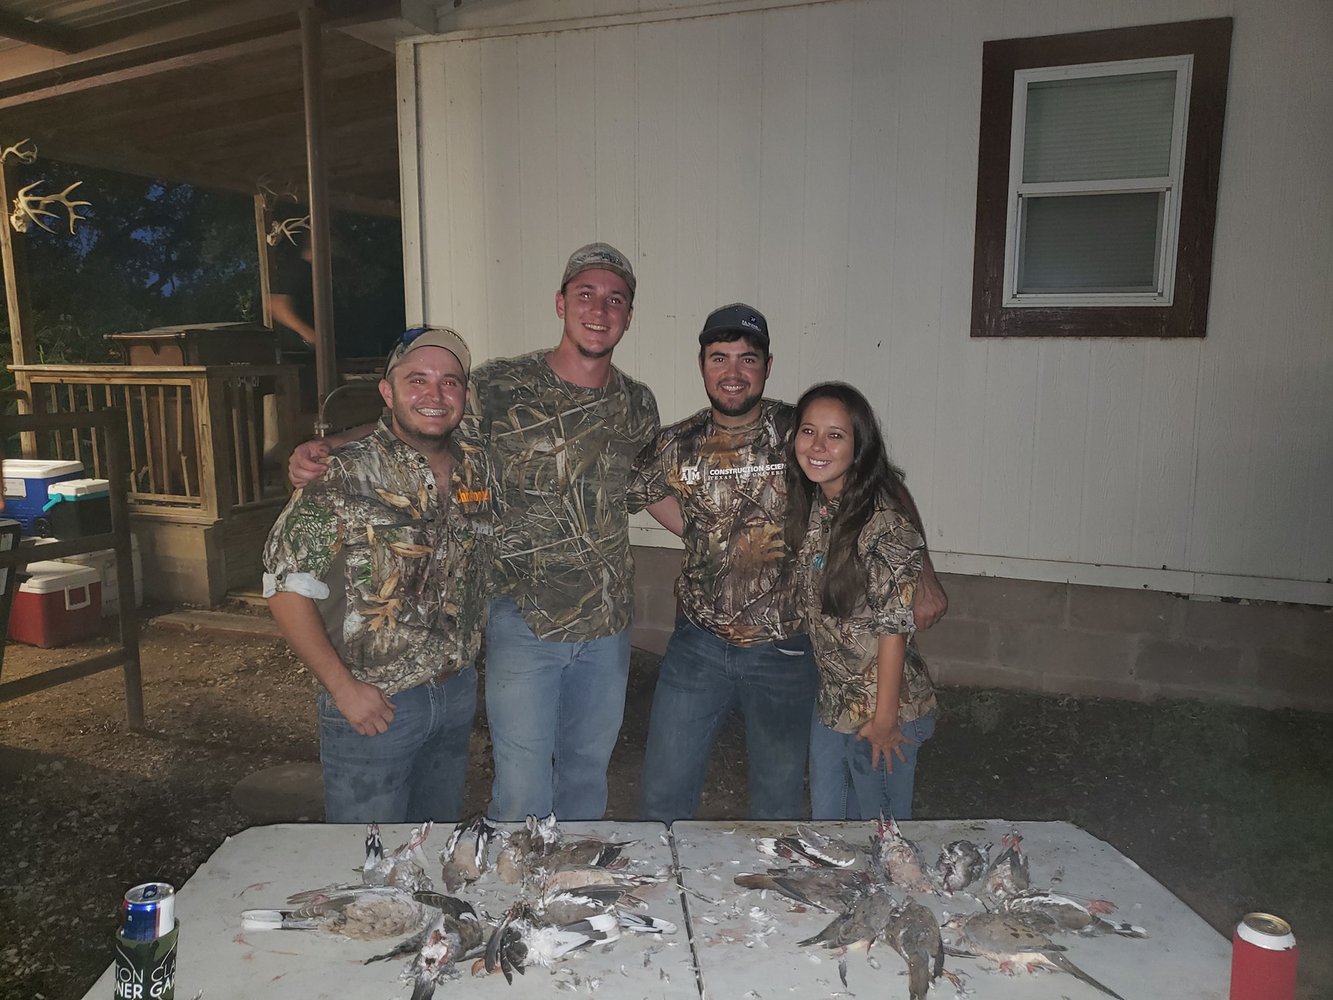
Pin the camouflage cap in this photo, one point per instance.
(602, 256)
(429, 336)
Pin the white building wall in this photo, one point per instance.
(819, 161)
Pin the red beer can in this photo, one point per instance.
(1263, 959)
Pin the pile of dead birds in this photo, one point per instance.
(1010, 921)
(575, 893)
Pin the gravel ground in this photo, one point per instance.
(1231, 808)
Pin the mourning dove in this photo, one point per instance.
(1011, 940)
(856, 928)
(961, 863)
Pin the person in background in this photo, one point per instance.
(859, 562)
(376, 575)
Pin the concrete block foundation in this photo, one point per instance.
(1059, 638)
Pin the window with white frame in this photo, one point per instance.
(1095, 164)
(1097, 181)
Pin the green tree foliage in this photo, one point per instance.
(149, 254)
(154, 254)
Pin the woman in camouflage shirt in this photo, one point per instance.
(858, 565)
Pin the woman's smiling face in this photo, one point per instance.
(825, 444)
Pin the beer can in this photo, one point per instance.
(1263, 959)
(148, 911)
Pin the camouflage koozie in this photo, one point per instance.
(146, 970)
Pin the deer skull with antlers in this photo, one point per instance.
(17, 151)
(31, 209)
(288, 228)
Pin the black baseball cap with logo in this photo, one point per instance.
(735, 321)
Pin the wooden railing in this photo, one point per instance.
(203, 441)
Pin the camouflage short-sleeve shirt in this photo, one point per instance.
(736, 581)
(398, 573)
(561, 459)
(846, 649)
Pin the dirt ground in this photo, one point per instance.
(1231, 808)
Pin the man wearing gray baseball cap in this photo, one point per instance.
(376, 575)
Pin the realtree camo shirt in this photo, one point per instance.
(736, 580)
(399, 577)
(846, 649)
(561, 459)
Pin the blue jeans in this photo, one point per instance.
(843, 785)
(412, 772)
(555, 710)
(702, 678)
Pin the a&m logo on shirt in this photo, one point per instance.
(690, 474)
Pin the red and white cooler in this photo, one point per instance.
(62, 603)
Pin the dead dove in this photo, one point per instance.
(463, 867)
(451, 936)
(961, 863)
(405, 867)
(1008, 873)
(898, 859)
(362, 912)
(856, 928)
(810, 847)
(914, 933)
(1011, 940)
(524, 938)
(832, 889)
(1070, 914)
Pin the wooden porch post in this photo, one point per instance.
(16, 301)
(261, 235)
(312, 66)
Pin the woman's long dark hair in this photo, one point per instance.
(870, 477)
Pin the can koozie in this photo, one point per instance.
(146, 970)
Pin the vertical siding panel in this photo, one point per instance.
(1247, 276)
(655, 322)
(460, 299)
(782, 184)
(1165, 473)
(614, 181)
(1111, 448)
(1008, 419)
(410, 100)
(955, 491)
(1288, 385)
(502, 249)
(576, 137)
(702, 71)
(911, 322)
(539, 196)
(828, 140)
(1063, 390)
(876, 348)
(737, 162)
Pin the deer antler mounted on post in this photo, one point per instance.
(288, 228)
(29, 208)
(274, 191)
(19, 153)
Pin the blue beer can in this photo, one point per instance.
(148, 912)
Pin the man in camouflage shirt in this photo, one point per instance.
(739, 642)
(376, 575)
(562, 428)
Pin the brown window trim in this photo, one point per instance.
(1209, 41)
